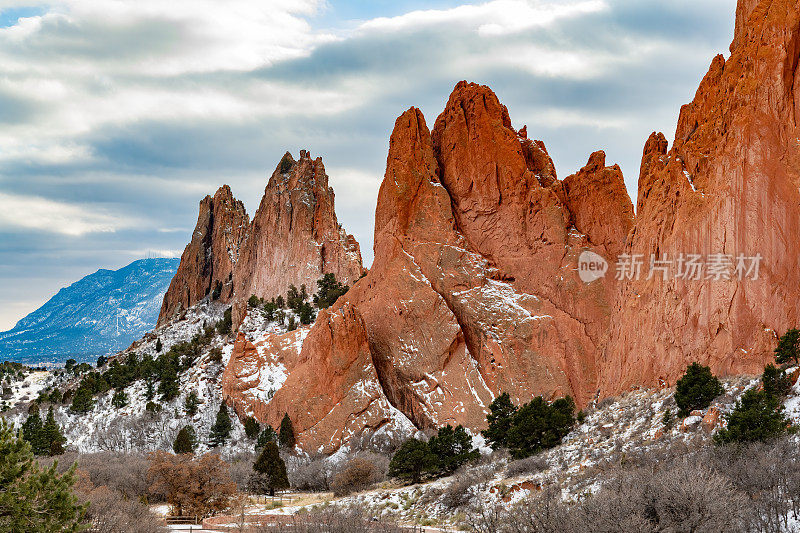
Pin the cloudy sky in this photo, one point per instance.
(118, 116)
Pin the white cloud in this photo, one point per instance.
(498, 17)
(31, 212)
(151, 252)
(86, 64)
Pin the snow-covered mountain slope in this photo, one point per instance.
(132, 428)
(98, 315)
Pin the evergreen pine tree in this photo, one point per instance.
(221, 428)
(191, 403)
(52, 435)
(150, 389)
(538, 425)
(32, 499)
(286, 432)
(267, 435)
(168, 388)
(152, 407)
(269, 471)
(186, 441)
(32, 433)
(159, 346)
(251, 427)
(120, 399)
(306, 313)
(696, 389)
(757, 417)
(329, 290)
(453, 447)
(776, 382)
(82, 402)
(224, 325)
(54, 396)
(412, 461)
(788, 349)
(501, 411)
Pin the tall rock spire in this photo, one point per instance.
(209, 258)
(294, 238)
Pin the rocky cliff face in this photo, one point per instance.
(295, 237)
(209, 258)
(475, 288)
(729, 185)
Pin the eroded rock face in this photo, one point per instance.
(323, 379)
(295, 237)
(474, 288)
(729, 185)
(210, 256)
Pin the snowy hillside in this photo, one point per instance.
(132, 428)
(98, 315)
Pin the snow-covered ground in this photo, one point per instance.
(627, 426)
(28, 388)
(133, 428)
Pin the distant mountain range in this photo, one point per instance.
(98, 315)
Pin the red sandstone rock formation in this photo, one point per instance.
(294, 237)
(474, 288)
(210, 256)
(729, 185)
(331, 390)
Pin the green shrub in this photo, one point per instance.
(533, 427)
(538, 425)
(251, 427)
(788, 349)
(776, 382)
(757, 417)
(453, 448)
(412, 461)
(696, 389)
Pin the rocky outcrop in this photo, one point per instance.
(209, 258)
(294, 238)
(599, 204)
(475, 289)
(325, 381)
(729, 185)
